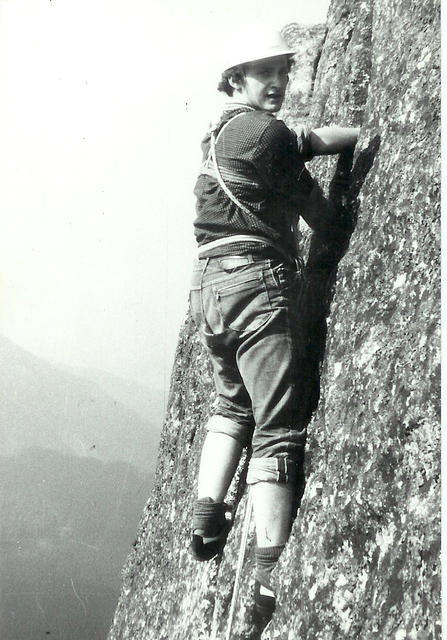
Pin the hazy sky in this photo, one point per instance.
(103, 107)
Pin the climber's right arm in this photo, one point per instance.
(334, 139)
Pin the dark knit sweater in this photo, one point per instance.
(262, 163)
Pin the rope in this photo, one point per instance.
(240, 563)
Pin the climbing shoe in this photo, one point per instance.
(211, 525)
(265, 601)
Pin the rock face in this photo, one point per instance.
(307, 41)
(363, 560)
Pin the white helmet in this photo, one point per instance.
(253, 42)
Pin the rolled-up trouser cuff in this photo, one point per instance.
(221, 424)
(282, 470)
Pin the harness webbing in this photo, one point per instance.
(240, 563)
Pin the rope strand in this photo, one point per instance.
(240, 563)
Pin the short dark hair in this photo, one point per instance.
(238, 74)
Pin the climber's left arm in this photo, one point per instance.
(329, 140)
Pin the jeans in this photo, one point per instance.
(246, 309)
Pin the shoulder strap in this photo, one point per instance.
(229, 193)
(241, 113)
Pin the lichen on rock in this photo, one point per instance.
(363, 559)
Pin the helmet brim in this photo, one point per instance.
(254, 57)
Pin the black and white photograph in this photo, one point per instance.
(220, 320)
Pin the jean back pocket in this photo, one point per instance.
(243, 301)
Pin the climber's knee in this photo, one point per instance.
(278, 454)
(242, 432)
(280, 470)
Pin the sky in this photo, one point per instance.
(103, 107)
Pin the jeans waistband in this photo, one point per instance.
(251, 258)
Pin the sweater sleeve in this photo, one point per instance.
(280, 157)
(302, 133)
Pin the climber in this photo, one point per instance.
(252, 186)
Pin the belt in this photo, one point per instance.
(220, 242)
(297, 261)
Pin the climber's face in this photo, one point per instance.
(264, 84)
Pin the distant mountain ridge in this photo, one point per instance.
(45, 406)
(147, 402)
(67, 524)
(76, 467)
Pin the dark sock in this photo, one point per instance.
(209, 516)
(266, 559)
